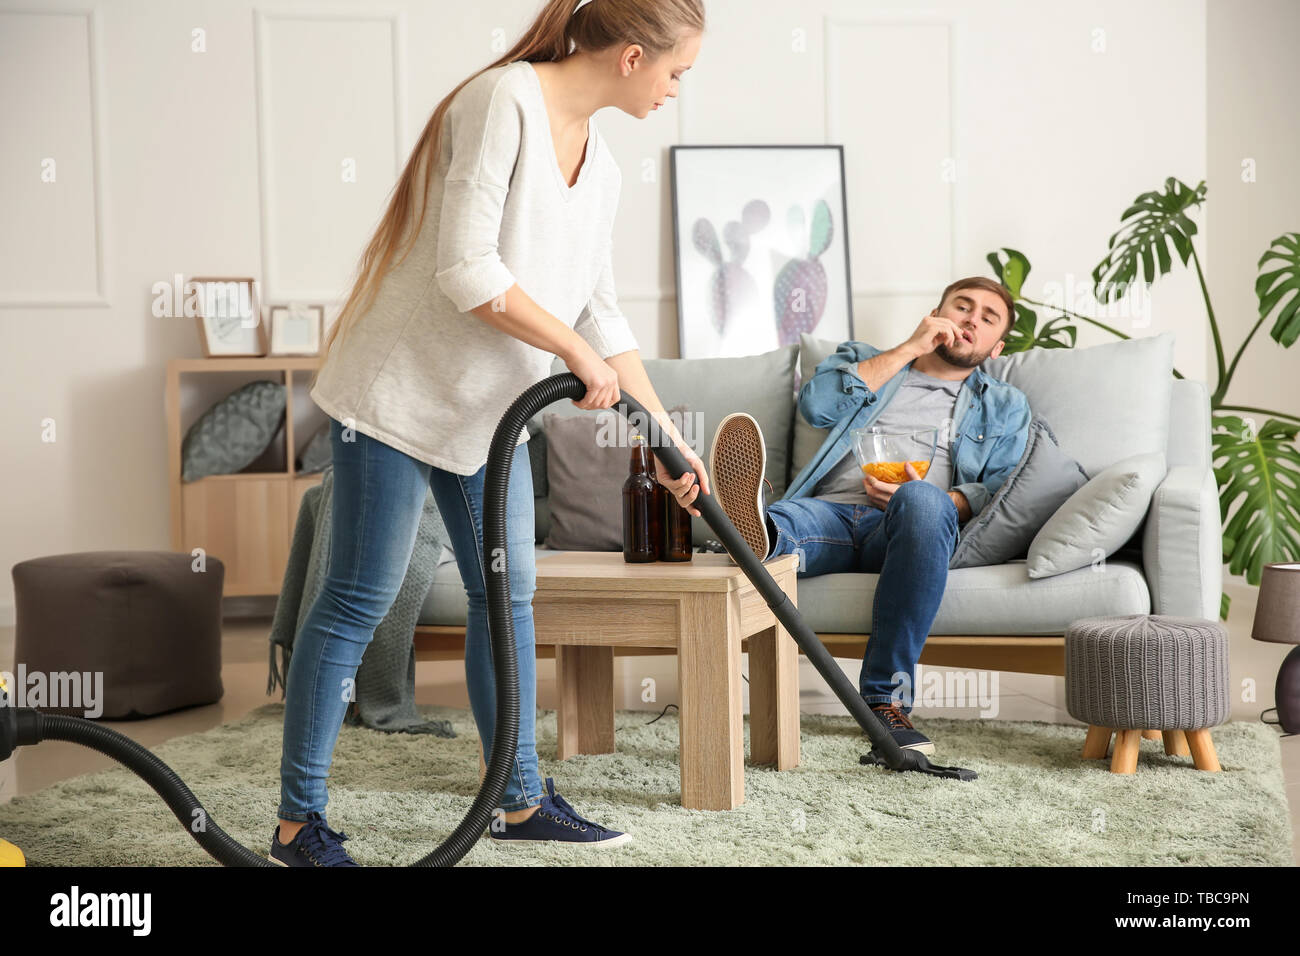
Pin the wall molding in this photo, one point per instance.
(274, 291)
(100, 298)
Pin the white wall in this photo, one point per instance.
(1253, 132)
(227, 162)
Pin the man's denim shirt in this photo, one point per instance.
(987, 442)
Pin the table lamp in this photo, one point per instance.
(1277, 620)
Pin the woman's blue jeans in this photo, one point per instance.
(909, 544)
(378, 500)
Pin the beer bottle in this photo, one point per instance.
(675, 521)
(640, 516)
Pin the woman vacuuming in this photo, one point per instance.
(492, 257)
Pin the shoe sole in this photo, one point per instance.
(737, 459)
(621, 840)
(277, 862)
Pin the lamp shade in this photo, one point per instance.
(1277, 616)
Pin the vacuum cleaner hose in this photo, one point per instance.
(21, 726)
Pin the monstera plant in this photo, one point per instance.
(1257, 467)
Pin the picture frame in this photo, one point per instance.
(761, 247)
(296, 328)
(229, 316)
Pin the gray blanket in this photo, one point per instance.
(385, 683)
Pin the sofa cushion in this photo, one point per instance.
(999, 599)
(1043, 479)
(807, 439)
(1099, 517)
(585, 474)
(842, 603)
(712, 388)
(1105, 403)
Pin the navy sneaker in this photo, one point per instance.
(314, 845)
(557, 822)
(900, 726)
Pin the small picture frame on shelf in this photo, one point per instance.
(296, 329)
(229, 316)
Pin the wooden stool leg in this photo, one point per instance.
(1202, 747)
(1097, 743)
(1150, 735)
(1125, 759)
(1176, 743)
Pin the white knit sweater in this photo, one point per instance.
(417, 371)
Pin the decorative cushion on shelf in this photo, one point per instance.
(585, 472)
(1101, 516)
(318, 454)
(234, 432)
(1042, 481)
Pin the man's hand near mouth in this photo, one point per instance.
(934, 330)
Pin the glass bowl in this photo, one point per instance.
(883, 454)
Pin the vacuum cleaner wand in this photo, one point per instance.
(885, 750)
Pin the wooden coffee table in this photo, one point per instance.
(588, 603)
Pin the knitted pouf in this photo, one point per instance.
(129, 633)
(1147, 675)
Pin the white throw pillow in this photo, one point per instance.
(1103, 514)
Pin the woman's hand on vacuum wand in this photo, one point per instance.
(684, 489)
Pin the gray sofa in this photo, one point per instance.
(992, 616)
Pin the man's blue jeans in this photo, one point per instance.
(909, 544)
(378, 499)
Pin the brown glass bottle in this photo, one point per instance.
(675, 528)
(640, 514)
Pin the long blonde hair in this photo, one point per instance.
(657, 25)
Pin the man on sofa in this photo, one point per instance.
(837, 518)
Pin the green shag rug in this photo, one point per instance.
(1036, 802)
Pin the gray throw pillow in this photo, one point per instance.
(1042, 481)
(234, 432)
(585, 473)
(318, 454)
(1099, 518)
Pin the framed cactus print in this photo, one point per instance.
(761, 247)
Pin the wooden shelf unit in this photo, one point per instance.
(246, 519)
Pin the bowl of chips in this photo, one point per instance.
(884, 454)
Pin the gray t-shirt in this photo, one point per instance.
(922, 401)
(416, 371)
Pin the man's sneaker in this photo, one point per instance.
(900, 726)
(314, 845)
(736, 462)
(557, 822)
